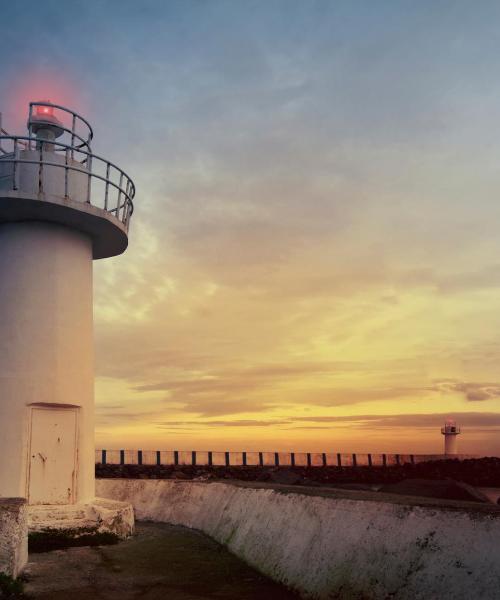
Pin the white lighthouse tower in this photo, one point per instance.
(450, 432)
(61, 207)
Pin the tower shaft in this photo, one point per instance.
(46, 371)
(450, 444)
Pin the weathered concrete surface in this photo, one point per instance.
(348, 545)
(101, 515)
(162, 561)
(13, 536)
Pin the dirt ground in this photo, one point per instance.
(160, 562)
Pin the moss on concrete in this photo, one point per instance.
(50, 539)
(11, 588)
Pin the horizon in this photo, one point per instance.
(314, 253)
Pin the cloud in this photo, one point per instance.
(477, 421)
(472, 391)
(224, 423)
(416, 420)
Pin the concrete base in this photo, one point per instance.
(13, 536)
(99, 516)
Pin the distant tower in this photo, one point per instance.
(450, 432)
(61, 206)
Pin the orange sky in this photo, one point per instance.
(314, 256)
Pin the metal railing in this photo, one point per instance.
(78, 160)
(107, 186)
(77, 121)
(261, 459)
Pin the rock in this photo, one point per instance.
(285, 476)
(364, 487)
(180, 475)
(204, 477)
(448, 489)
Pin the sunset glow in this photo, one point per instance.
(314, 261)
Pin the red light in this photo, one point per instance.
(44, 111)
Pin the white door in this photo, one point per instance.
(52, 457)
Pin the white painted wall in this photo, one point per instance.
(333, 547)
(450, 444)
(46, 345)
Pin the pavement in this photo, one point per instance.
(160, 562)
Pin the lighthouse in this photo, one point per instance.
(61, 208)
(450, 432)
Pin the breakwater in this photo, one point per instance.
(482, 472)
(262, 459)
(335, 544)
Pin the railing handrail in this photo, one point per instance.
(284, 458)
(127, 188)
(69, 147)
(78, 170)
(74, 115)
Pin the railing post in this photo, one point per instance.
(15, 178)
(261, 459)
(227, 459)
(139, 457)
(354, 460)
(384, 460)
(370, 460)
(40, 169)
(309, 461)
(210, 459)
(103, 457)
(339, 459)
(125, 202)
(66, 161)
(119, 196)
(176, 458)
(158, 457)
(106, 191)
(323, 458)
(122, 457)
(276, 459)
(244, 458)
(73, 127)
(193, 458)
(292, 459)
(89, 180)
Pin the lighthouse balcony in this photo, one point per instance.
(450, 430)
(63, 181)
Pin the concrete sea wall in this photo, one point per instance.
(13, 536)
(333, 547)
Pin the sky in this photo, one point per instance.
(314, 257)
